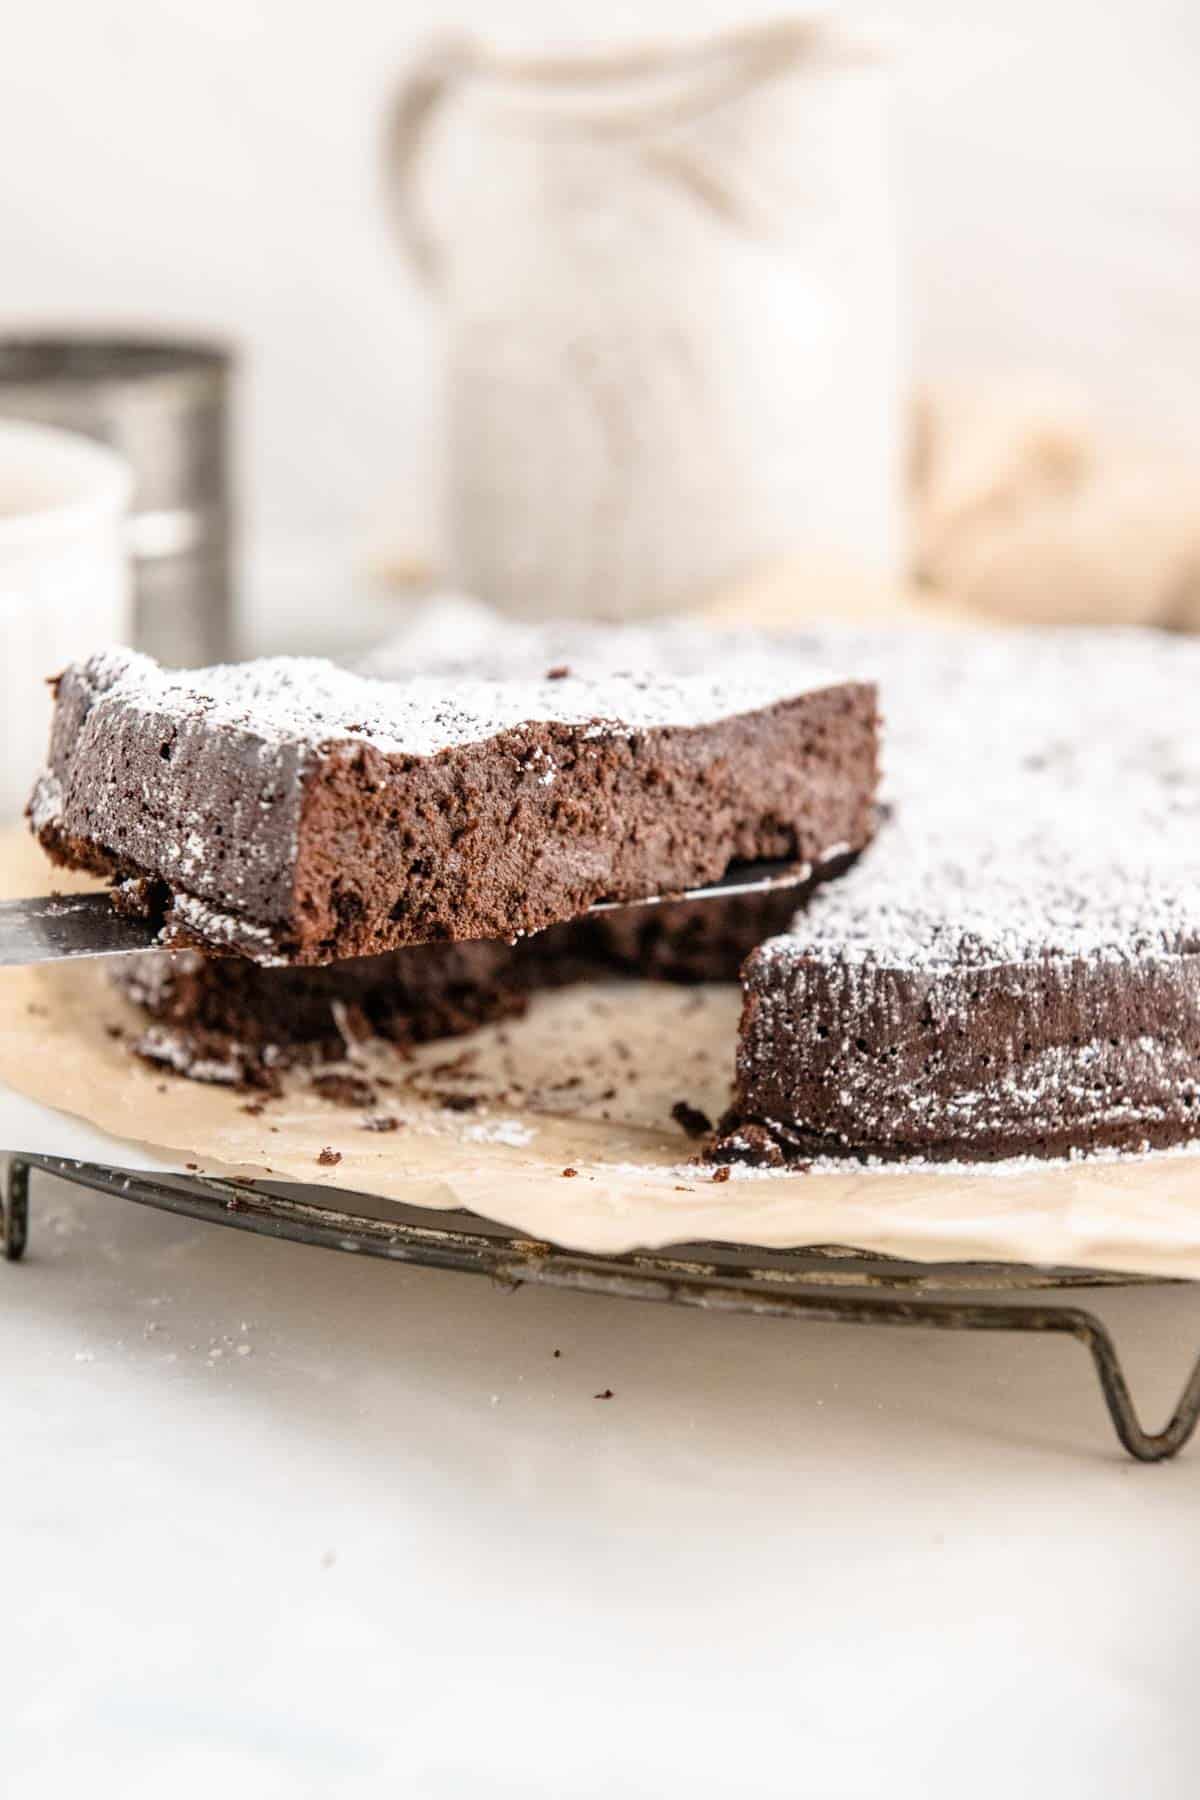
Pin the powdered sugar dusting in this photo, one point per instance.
(45, 808)
(307, 702)
(511, 1132)
(1045, 794)
(178, 1050)
(212, 925)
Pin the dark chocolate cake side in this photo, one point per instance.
(1039, 1058)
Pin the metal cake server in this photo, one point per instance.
(48, 930)
(70, 925)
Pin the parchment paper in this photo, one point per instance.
(586, 1082)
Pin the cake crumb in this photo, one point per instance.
(559, 672)
(343, 1089)
(721, 1174)
(329, 1159)
(570, 1171)
(697, 1124)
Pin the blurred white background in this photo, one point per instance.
(213, 165)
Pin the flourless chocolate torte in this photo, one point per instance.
(296, 813)
(1013, 967)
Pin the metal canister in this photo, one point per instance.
(164, 406)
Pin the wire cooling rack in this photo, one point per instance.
(827, 1282)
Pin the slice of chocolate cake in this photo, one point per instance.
(1014, 966)
(296, 813)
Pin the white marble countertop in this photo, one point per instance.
(286, 1523)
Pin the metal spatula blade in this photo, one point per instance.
(743, 878)
(71, 925)
(53, 929)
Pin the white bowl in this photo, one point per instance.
(64, 580)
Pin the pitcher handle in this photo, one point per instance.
(427, 84)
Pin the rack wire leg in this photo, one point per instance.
(15, 1209)
(940, 1315)
(1146, 1446)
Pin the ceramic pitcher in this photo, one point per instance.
(669, 290)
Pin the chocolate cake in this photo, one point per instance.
(297, 813)
(1014, 966)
